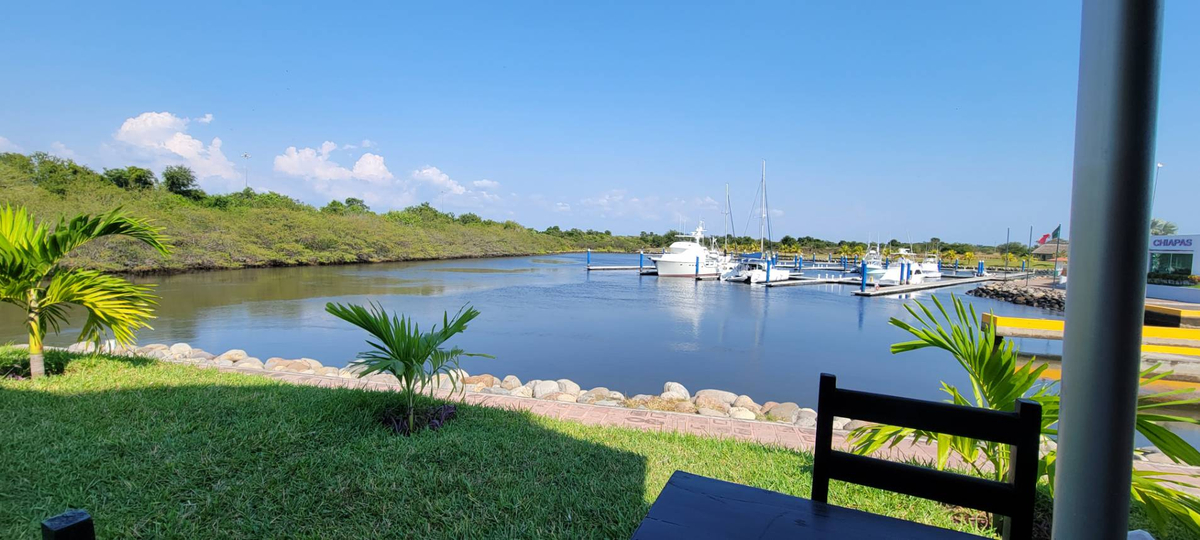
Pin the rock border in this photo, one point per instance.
(675, 397)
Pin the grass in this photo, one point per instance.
(161, 450)
(156, 450)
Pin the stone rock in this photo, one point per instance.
(673, 396)
(568, 386)
(181, 349)
(855, 424)
(542, 389)
(233, 355)
(161, 354)
(767, 406)
(741, 413)
(510, 382)
(274, 362)
(704, 411)
(459, 374)
(711, 403)
(616, 396)
(839, 423)
(248, 363)
(676, 388)
(785, 412)
(201, 353)
(522, 391)
(81, 347)
(310, 363)
(608, 403)
(642, 397)
(745, 402)
(594, 395)
(720, 395)
(328, 371)
(481, 380)
(386, 378)
(499, 391)
(685, 407)
(806, 418)
(222, 362)
(560, 396)
(469, 387)
(154, 347)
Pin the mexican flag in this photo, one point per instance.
(1054, 235)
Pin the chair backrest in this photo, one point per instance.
(1020, 429)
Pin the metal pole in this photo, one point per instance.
(1116, 110)
(863, 268)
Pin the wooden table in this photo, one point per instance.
(693, 507)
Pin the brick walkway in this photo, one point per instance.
(771, 433)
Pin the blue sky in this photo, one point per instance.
(950, 119)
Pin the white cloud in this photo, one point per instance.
(370, 167)
(9, 146)
(562, 207)
(776, 213)
(368, 143)
(206, 119)
(59, 149)
(438, 179)
(315, 164)
(486, 184)
(312, 163)
(164, 136)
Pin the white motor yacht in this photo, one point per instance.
(689, 258)
(931, 267)
(892, 276)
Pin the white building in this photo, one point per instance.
(1174, 255)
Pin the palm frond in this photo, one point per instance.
(112, 303)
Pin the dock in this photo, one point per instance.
(794, 282)
(946, 281)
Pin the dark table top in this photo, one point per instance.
(693, 507)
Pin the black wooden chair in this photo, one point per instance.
(1020, 429)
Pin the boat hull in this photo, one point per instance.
(669, 268)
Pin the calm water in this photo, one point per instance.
(546, 318)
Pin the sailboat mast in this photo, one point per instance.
(762, 223)
(726, 212)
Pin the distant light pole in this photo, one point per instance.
(1154, 190)
(246, 156)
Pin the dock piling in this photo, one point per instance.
(641, 257)
(863, 268)
(589, 258)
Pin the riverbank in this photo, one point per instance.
(257, 230)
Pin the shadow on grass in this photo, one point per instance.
(255, 459)
(14, 361)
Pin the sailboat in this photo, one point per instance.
(758, 267)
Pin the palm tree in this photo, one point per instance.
(415, 358)
(949, 255)
(969, 257)
(33, 278)
(859, 250)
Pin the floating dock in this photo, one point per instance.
(794, 282)
(946, 281)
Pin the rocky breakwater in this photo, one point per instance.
(1019, 294)
(674, 397)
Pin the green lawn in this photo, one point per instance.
(162, 450)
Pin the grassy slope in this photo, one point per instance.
(160, 450)
(208, 237)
